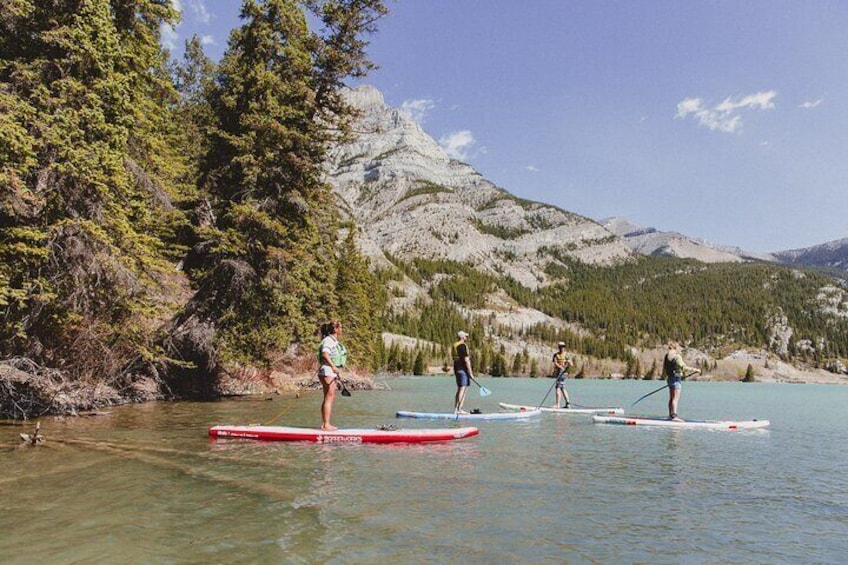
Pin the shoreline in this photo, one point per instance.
(46, 398)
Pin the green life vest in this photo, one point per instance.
(339, 358)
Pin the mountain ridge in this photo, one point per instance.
(393, 179)
(411, 200)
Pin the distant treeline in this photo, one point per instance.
(715, 307)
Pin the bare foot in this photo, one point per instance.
(328, 428)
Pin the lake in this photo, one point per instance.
(145, 484)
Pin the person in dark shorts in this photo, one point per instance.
(562, 364)
(461, 370)
(673, 370)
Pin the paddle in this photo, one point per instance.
(483, 390)
(659, 389)
(345, 391)
(546, 396)
(647, 395)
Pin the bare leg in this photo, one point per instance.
(330, 388)
(461, 391)
(673, 400)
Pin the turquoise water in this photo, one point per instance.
(144, 484)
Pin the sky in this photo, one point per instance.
(723, 120)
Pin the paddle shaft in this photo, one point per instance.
(656, 391)
(546, 395)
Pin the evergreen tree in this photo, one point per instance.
(516, 365)
(749, 374)
(418, 364)
(651, 374)
(273, 252)
(89, 168)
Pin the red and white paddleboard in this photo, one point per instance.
(343, 435)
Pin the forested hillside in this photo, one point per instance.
(165, 224)
(799, 316)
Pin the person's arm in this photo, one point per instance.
(464, 350)
(684, 368)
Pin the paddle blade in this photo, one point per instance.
(484, 391)
(345, 391)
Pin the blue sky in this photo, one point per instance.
(723, 120)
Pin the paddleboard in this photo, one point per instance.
(343, 435)
(665, 422)
(454, 416)
(582, 410)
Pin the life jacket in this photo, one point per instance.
(562, 358)
(339, 358)
(455, 350)
(671, 367)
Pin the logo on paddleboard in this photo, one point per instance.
(338, 439)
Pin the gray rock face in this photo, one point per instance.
(412, 200)
(650, 241)
(832, 254)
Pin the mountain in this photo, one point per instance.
(650, 241)
(413, 201)
(833, 254)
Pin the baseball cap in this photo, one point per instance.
(561, 344)
(461, 334)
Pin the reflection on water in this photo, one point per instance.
(146, 484)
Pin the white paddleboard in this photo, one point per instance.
(581, 410)
(481, 416)
(666, 423)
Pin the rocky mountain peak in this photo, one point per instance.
(412, 200)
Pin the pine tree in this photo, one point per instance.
(649, 376)
(418, 364)
(277, 107)
(516, 365)
(90, 169)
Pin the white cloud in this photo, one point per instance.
(178, 5)
(417, 109)
(761, 100)
(724, 117)
(457, 144)
(201, 13)
(531, 168)
(207, 40)
(812, 104)
(169, 36)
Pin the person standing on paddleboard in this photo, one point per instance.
(673, 370)
(562, 364)
(461, 370)
(332, 356)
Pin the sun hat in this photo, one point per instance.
(461, 334)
